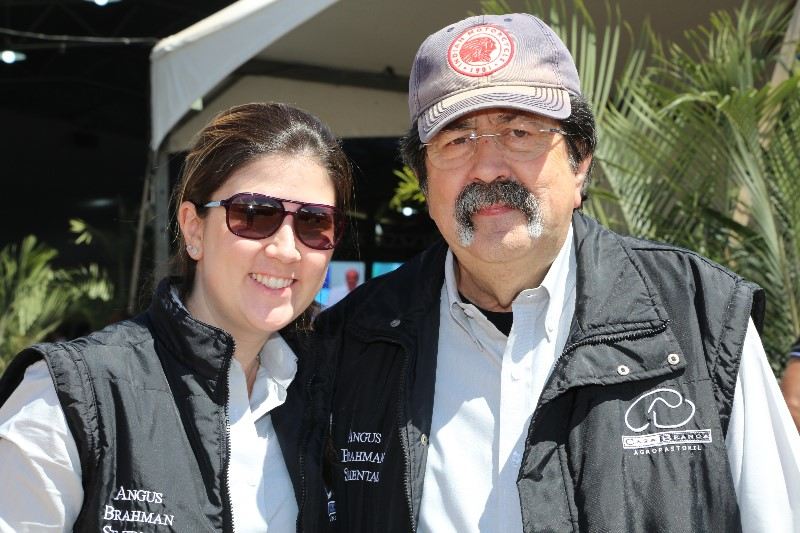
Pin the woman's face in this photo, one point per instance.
(252, 288)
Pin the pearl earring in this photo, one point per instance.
(191, 249)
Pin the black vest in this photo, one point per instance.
(145, 400)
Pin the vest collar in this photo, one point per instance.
(619, 318)
(612, 294)
(204, 349)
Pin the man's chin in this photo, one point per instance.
(499, 237)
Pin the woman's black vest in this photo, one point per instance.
(145, 400)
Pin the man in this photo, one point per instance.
(337, 292)
(535, 371)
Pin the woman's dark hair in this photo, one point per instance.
(243, 134)
(581, 137)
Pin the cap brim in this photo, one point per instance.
(548, 101)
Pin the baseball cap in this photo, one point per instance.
(512, 61)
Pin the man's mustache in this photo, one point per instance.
(480, 195)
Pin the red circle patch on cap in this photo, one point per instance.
(480, 50)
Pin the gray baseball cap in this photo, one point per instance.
(512, 61)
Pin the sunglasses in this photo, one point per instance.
(256, 216)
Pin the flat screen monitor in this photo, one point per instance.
(341, 278)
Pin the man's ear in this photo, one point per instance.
(191, 226)
(580, 179)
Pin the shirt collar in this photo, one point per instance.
(277, 368)
(557, 283)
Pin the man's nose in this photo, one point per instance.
(489, 161)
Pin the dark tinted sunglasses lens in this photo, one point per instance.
(254, 219)
(316, 227)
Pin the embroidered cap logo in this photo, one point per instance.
(480, 50)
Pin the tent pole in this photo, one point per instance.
(144, 207)
(160, 190)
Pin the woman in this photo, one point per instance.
(187, 417)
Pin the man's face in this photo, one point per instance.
(351, 277)
(495, 208)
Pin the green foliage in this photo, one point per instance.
(407, 190)
(703, 152)
(117, 247)
(82, 230)
(36, 297)
(696, 147)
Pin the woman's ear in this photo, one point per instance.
(191, 226)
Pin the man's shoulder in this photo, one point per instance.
(643, 249)
(657, 252)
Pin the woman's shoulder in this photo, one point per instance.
(130, 332)
(112, 346)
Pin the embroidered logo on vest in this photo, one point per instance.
(113, 513)
(364, 455)
(662, 409)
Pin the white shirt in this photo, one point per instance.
(487, 386)
(40, 472)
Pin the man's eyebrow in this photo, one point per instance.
(463, 124)
(505, 118)
(502, 118)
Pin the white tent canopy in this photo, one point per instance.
(187, 65)
(350, 111)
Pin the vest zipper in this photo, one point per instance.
(605, 339)
(401, 433)
(302, 464)
(599, 339)
(227, 478)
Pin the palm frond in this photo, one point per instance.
(36, 297)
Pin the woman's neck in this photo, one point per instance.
(248, 354)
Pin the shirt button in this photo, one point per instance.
(469, 312)
(423, 439)
(623, 370)
(394, 323)
(673, 359)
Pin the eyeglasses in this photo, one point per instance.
(256, 216)
(519, 141)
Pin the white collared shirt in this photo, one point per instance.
(261, 490)
(487, 386)
(37, 450)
